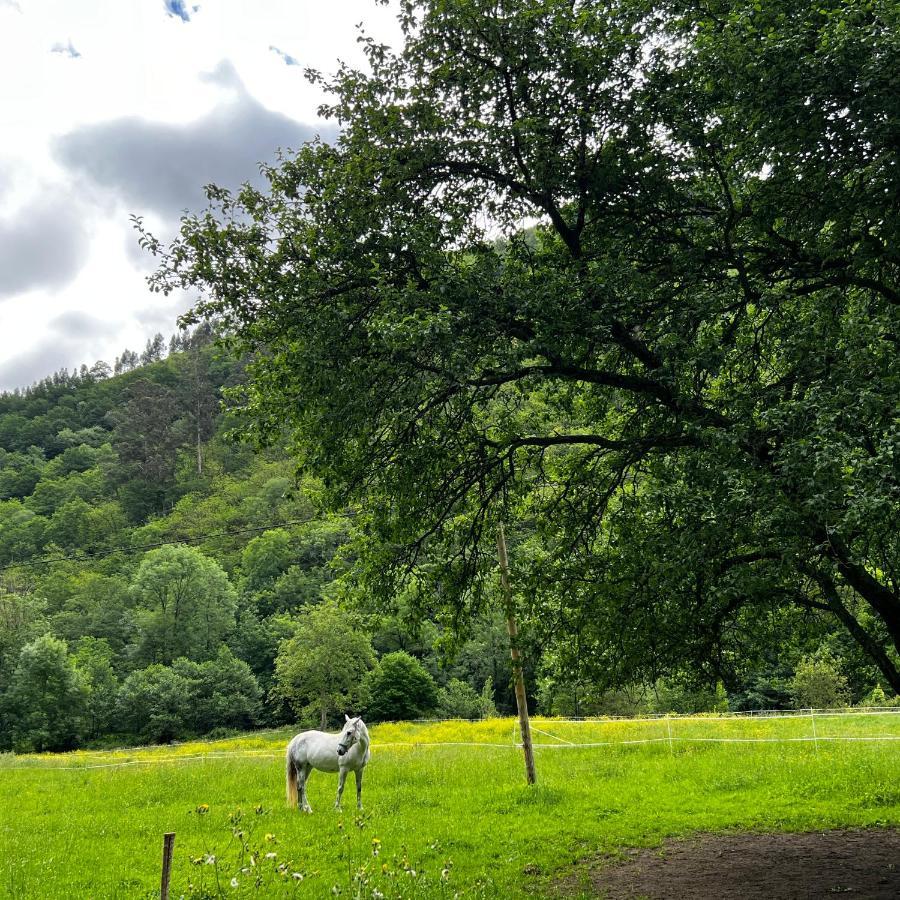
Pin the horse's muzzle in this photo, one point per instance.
(342, 751)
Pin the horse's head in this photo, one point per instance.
(349, 735)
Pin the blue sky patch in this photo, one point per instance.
(288, 59)
(177, 9)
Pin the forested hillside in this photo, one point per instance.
(160, 580)
(151, 568)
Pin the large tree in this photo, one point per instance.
(46, 699)
(626, 270)
(319, 671)
(185, 605)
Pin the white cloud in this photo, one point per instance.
(41, 245)
(65, 50)
(162, 168)
(164, 97)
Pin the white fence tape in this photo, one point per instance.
(670, 738)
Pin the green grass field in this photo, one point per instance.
(447, 811)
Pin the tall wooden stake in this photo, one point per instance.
(519, 678)
(168, 847)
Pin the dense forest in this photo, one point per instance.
(160, 579)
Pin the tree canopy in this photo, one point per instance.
(625, 271)
(319, 671)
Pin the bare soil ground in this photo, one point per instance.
(860, 864)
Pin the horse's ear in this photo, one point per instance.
(346, 717)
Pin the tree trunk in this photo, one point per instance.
(518, 677)
(869, 645)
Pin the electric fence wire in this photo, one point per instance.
(87, 555)
(513, 745)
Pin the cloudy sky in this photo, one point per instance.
(113, 107)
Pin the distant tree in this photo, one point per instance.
(488, 709)
(155, 704)
(126, 362)
(319, 671)
(198, 396)
(96, 605)
(93, 659)
(819, 684)
(458, 700)
(202, 335)
(154, 351)
(767, 688)
(265, 558)
(484, 656)
(94, 436)
(100, 370)
(19, 473)
(21, 532)
(184, 605)
(22, 619)
(47, 698)
(227, 694)
(256, 641)
(400, 688)
(143, 434)
(78, 457)
(69, 525)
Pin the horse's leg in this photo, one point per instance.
(342, 777)
(359, 788)
(302, 774)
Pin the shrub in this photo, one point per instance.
(486, 700)
(458, 700)
(818, 684)
(877, 697)
(156, 703)
(228, 694)
(399, 688)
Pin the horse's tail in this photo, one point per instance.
(291, 779)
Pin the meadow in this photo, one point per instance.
(447, 811)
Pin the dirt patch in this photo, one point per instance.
(864, 863)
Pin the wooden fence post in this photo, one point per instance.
(519, 678)
(168, 847)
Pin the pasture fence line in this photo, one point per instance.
(701, 740)
(725, 715)
(486, 745)
(547, 734)
(556, 742)
(671, 737)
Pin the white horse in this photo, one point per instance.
(347, 751)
